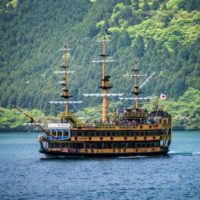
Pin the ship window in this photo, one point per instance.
(59, 133)
(105, 146)
(87, 145)
(98, 145)
(75, 134)
(65, 133)
(81, 145)
(79, 134)
(103, 133)
(114, 145)
(156, 144)
(143, 145)
(92, 133)
(93, 146)
(123, 145)
(55, 145)
(113, 134)
(62, 145)
(133, 145)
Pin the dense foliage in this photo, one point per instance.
(11, 119)
(185, 113)
(164, 36)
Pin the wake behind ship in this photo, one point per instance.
(129, 132)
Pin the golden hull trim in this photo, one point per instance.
(107, 138)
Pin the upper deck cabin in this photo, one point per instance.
(127, 123)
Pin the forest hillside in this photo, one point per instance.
(162, 35)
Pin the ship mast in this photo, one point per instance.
(66, 115)
(136, 91)
(104, 83)
(136, 87)
(65, 94)
(66, 91)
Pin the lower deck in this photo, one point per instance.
(104, 148)
(105, 152)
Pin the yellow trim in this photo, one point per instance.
(115, 138)
(122, 128)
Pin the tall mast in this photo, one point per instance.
(136, 86)
(66, 115)
(104, 83)
(65, 94)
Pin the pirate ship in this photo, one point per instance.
(131, 132)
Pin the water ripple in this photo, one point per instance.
(25, 175)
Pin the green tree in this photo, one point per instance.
(146, 6)
(139, 47)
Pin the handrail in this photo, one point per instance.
(115, 126)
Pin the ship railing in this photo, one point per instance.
(118, 126)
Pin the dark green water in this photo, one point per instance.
(26, 174)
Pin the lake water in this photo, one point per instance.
(26, 174)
